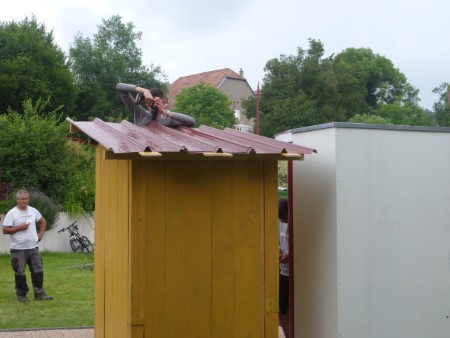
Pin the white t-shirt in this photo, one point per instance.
(27, 239)
(284, 245)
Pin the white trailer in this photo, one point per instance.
(372, 232)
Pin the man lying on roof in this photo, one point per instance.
(155, 101)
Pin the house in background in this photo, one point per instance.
(232, 84)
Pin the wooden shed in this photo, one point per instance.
(186, 232)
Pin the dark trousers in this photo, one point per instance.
(283, 294)
(19, 260)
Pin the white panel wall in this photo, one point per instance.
(315, 246)
(54, 241)
(372, 234)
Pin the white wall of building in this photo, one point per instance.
(372, 232)
(54, 241)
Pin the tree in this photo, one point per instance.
(32, 67)
(36, 153)
(382, 82)
(308, 88)
(207, 104)
(441, 108)
(111, 56)
(298, 90)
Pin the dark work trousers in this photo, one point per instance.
(19, 260)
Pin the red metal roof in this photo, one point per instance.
(155, 140)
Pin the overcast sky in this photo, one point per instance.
(188, 37)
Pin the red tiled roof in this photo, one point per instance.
(213, 78)
(127, 140)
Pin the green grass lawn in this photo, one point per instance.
(68, 278)
(282, 193)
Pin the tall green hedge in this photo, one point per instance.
(35, 151)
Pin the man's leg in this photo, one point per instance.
(18, 263)
(37, 275)
(283, 314)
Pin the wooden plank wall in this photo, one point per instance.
(186, 249)
(111, 259)
(205, 249)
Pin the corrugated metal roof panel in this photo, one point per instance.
(127, 138)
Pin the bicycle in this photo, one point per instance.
(78, 243)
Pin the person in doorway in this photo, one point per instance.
(20, 223)
(156, 104)
(283, 296)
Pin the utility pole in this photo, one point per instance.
(258, 94)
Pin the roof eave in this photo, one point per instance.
(110, 155)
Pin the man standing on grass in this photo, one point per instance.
(20, 223)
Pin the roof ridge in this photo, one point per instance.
(207, 72)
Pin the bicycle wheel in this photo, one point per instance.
(75, 245)
(87, 245)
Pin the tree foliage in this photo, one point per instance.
(80, 188)
(35, 154)
(309, 88)
(207, 104)
(283, 174)
(404, 114)
(442, 106)
(98, 64)
(377, 77)
(369, 119)
(32, 67)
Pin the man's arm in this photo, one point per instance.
(147, 94)
(42, 226)
(126, 88)
(10, 230)
(179, 119)
(185, 120)
(284, 257)
(138, 113)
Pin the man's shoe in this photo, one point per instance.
(22, 299)
(42, 296)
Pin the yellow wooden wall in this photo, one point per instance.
(190, 249)
(111, 257)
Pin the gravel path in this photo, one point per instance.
(61, 333)
(53, 333)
